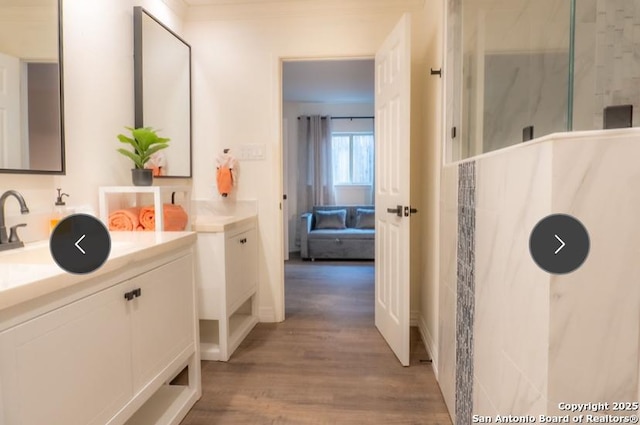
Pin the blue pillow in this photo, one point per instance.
(365, 218)
(331, 219)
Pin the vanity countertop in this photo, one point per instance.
(220, 223)
(30, 272)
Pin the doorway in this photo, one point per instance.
(344, 91)
(392, 85)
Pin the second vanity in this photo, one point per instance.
(226, 276)
(74, 349)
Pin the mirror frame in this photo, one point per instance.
(138, 12)
(62, 170)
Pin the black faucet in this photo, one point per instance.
(13, 241)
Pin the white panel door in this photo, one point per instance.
(392, 103)
(10, 153)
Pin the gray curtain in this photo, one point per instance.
(315, 174)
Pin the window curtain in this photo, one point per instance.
(315, 173)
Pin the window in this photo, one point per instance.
(352, 158)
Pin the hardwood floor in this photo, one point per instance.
(325, 364)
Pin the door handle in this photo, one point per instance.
(397, 211)
(409, 210)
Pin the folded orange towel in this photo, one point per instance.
(175, 217)
(124, 219)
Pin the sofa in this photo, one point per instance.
(338, 232)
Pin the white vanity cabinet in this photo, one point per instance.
(227, 284)
(106, 358)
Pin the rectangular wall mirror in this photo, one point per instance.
(162, 69)
(31, 107)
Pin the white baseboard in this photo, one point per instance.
(429, 344)
(267, 315)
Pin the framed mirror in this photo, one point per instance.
(31, 103)
(162, 72)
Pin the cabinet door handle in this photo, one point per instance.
(243, 240)
(132, 294)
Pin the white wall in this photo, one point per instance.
(98, 103)
(237, 53)
(427, 179)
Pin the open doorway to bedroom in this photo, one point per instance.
(328, 149)
(335, 279)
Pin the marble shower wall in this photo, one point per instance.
(617, 54)
(448, 286)
(538, 339)
(594, 345)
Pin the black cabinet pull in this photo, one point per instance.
(132, 294)
(243, 240)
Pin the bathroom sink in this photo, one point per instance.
(39, 253)
(12, 275)
(36, 253)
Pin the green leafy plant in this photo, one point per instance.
(145, 143)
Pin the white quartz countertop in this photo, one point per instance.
(30, 272)
(220, 223)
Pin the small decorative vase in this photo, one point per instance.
(142, 176)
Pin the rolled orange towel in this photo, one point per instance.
(124, 219)
(175, 217)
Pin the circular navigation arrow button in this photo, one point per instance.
(559, 244)
(80, 244)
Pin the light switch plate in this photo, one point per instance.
(252, 152)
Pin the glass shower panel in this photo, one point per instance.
(515, 71)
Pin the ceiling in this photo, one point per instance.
(224, 2)
(330, 81)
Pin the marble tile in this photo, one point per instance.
(491, 184)
(519, 396)
(449, 226)
(482, 405)
(447, 346)
(595, 311)
(490, 306)
(616, 34)
(511, 292)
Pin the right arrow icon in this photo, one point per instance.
(561, 242)
(549, 250)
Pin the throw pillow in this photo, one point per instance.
(365, 219)
(331, 219)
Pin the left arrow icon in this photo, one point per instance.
(77, 244)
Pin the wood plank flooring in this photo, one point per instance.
(325, 364)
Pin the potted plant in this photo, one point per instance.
(145, 142)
